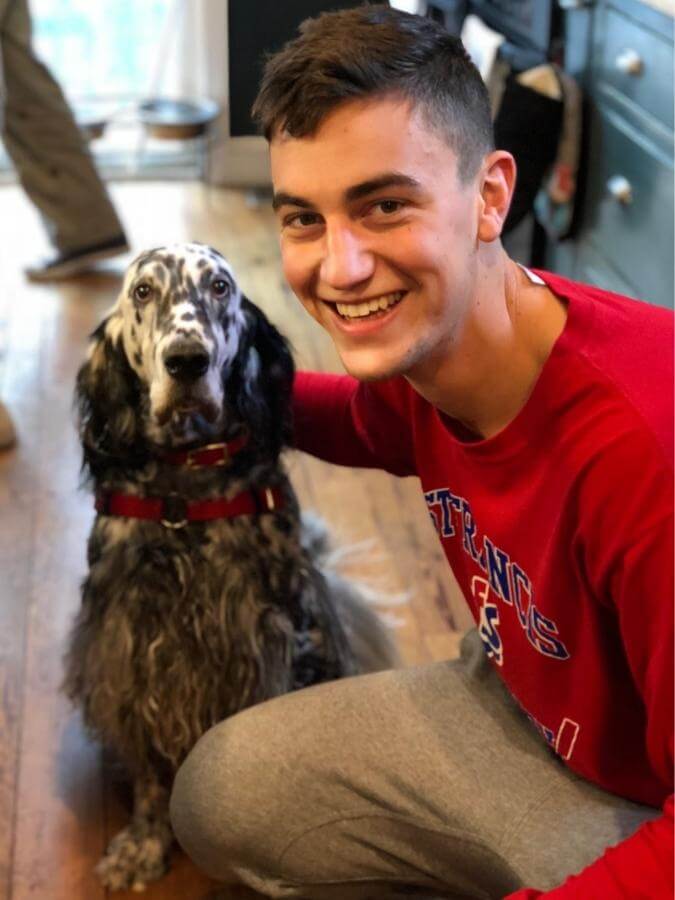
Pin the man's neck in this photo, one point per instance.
(486, 377)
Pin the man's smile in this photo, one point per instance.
(373, 307)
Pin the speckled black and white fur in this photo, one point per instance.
(179, 628)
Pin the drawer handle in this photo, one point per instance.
(629, 62)
(620, 188)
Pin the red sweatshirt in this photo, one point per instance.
(559, 530)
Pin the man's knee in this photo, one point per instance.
(224, 794)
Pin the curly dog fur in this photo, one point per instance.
(181, 627)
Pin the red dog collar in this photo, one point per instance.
(209, 455)
(175, 512)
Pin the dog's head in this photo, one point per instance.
(181, 359)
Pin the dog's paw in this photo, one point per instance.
(135, 856)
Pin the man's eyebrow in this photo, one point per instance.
(389, 179)
(283, 199)
(356, 192)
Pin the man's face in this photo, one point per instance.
(378, 236)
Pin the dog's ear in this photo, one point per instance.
(261, 381)
(107, 399)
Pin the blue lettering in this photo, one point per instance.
(445, 498)
(487, 628)
(521, 584)
(498, 570)
(468, 531)
(540, 633)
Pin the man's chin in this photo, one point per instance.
(371, 369)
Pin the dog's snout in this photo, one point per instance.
(186, 363)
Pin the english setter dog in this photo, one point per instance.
(206, 592)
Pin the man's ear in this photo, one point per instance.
(497, 183)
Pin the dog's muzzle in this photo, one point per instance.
(186, 363)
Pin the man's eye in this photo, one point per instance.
(142, 291)
(389, 206)
(302, 220)
(220, 287)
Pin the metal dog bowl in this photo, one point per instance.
(177, 119)
(91, 121)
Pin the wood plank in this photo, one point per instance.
(19, 377)
(59, 824)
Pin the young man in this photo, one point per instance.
(537, 413)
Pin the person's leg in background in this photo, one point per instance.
(51, 157)
(426, 781)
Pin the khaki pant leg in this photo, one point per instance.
(45, 144)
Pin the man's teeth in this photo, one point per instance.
(357, 310)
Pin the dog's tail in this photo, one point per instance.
(369, 636)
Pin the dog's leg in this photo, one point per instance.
(139, 853)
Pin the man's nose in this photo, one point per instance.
(347, 261)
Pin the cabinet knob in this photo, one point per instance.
(629, 62)
(620, 188)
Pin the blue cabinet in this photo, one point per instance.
(625, 239)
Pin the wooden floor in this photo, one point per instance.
(58, 805)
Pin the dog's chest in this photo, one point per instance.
(247, 554)
(214, 589)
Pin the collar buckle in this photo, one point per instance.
(174, 511)
(269, 499)
(265, 500)
(195, 457)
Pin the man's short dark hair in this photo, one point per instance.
(375, 51)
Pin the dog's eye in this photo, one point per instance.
(220, 287)
(142, 291)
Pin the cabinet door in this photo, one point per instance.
(590, 267)
(625, 239)
(628, 215)
(635, 62)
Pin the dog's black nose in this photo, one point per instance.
(186, 363)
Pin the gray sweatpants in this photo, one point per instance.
(45, 143)
(426, 781)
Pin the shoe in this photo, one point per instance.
(7, 433)
(76, 262)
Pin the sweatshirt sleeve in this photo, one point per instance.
(347, 422)
(641, 586)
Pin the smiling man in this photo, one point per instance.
(537, 414)
(396, 256)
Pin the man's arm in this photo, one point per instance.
(344, 421)
(638, 574)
